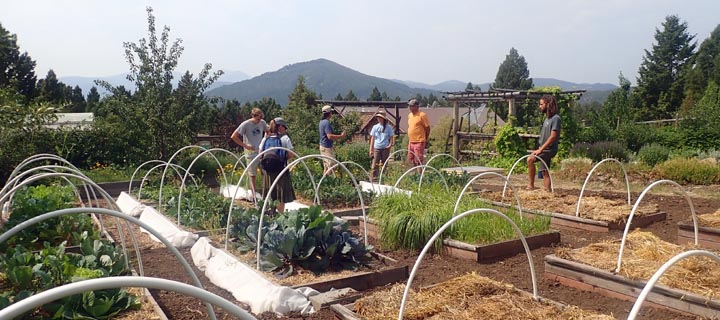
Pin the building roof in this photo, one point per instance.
(80, 120)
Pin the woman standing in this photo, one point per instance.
(382, 139)
(277, 137)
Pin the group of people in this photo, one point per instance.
(255, 135)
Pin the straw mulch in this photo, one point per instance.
(643, 255)
(711, 220)
(594, 208)
(468, 297)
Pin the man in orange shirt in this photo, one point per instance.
(418, 133)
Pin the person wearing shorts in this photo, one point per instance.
(549, 138)
(248, 135)
(418, 134)
(327, 137)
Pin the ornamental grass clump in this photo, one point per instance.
(410, 221)
(465, 297)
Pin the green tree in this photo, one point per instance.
(302, 108)
(338, 97)
(51, 89)
(384, 96)
(469, 87)
(513, 73)
(350, 96)
(662, 73)
(700, 124)
(93, 99)
(168, 116)
(375, 95)
(77, 101)
(17, 70)
(702, 69)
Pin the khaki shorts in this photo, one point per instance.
(252, 168)
(328, 152)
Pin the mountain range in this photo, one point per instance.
(329, 79)
(86, 83)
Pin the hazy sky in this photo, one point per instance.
(417, 40)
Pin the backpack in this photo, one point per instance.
(273, 162)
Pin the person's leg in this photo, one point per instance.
(544, 169)
(374, 163)
(531, 173)
(252, 170)
(328, 152)
(421, 155)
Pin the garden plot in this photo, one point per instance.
(32, 270)
(402, 221)
(465, 297)
(691, 286)
(708, 231)
(597, 213)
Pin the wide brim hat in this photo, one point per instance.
(380, 114)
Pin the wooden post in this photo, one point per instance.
(511, 110)
(456, 141)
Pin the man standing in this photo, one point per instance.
(327, 137)
(549, 137)
(418, 133)
(248, 135)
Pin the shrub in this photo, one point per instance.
(508, 143)
(574, 168)
(653, 154)
(356, 152)
(607, 149)
(686, 171)
(580, 150)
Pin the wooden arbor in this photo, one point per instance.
(510, 96)
(395, 106)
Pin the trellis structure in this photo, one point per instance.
(494, 95)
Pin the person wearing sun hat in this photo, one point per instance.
(382, 139)
(327, 136)
(418, 133)
(283, 191)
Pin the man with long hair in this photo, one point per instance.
(549, 137)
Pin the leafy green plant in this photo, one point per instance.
(307, 237)
(33, 201)
(653, 154)
(356, 152)
(100, 304)
(508, 143)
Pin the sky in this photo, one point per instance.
(580, 41)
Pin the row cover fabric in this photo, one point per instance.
(246, 284)
(176, 236)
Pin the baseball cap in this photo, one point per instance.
(328, 108)
(280, 122)
(413, 102)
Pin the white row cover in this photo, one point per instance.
(380, 188)
(228, 191)
(177, 237)
(246, 284)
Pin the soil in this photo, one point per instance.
(158, 262)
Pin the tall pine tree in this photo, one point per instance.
(17, 70)
(703, 69)
(661, 74)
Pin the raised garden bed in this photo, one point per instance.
(593, 211)
(481, 253)
(689, 287)
(464, 297)
(708, 231)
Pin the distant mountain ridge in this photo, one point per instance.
(455, 85)
(323, 76)
(86, 83)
